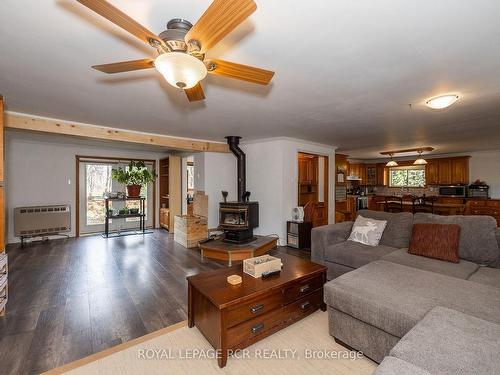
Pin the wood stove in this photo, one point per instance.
(238, 219)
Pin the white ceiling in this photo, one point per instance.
(345, 72)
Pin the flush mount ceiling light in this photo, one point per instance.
(442, 101)
(420, 160)
(391, 163)
(180, 69)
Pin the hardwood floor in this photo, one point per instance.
(73, 297)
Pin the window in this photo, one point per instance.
(412, 176)
(98, 181)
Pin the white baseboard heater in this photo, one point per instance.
(39, 221)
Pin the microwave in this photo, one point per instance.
(453, 191)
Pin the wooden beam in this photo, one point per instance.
(416, 149)
(46, 125)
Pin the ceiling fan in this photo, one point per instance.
(182, 47)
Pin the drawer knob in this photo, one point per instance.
(304, 289)
(305, 305)
(258, 327)
(255, 309)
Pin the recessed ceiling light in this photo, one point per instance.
(442, 101)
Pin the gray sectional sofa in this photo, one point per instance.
(382, 300)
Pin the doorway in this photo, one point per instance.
(313, 187)
(94, 180)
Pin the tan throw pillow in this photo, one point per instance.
(367, 231)
(438, 241)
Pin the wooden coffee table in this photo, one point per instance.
(235, 316)
(221, 250)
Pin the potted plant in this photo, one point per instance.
(134, 177)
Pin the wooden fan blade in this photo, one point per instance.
(125, 66)
(119, 18)
(239, 71)
(221, 17)
(195, 93)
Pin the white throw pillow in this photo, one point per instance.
(367, 231)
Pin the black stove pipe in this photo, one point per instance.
(233, 142)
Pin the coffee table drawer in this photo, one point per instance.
(254, 329)
(302, 288)
(254, 308)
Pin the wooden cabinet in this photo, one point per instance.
(460, 171)
(444, 171)
(320, 214)
(357, 169)
(432, 172)
(381, 174)
(170, 191)
(447, 171)
(370, 174)
(342, 169)
(488, 207)
(308, 169)
(165, 218)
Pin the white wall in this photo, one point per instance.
(485, 165)
(40, 170)
(272, 177)
(265, 181)
(215, 172)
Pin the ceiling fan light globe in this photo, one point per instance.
(180, 69)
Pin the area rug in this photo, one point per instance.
(302, 348)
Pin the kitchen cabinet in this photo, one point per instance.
(447, 171)
(444, 171)
(308, 170)
(342, 168)
(358, 170)
(489, 207)
(459, 171)
(370, 174)
(381, 174)
(432, 172)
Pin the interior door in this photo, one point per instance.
(94, 181)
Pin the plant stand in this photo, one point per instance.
(141, 215)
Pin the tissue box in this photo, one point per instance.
(258, 265)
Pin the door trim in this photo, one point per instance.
(78, 159)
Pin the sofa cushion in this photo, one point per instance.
(487, 276)
(398, 229)
(396, 366)
(355, 254)
(461, 270)
(478, 242)
(447, 342)
(367, 231)
(393, 297)
(438, 241)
